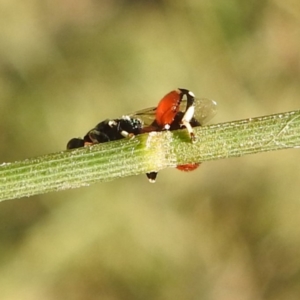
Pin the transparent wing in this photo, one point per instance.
(147, 115)
(205, 109)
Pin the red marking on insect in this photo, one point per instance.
(188, 167)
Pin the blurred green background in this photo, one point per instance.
(229, 230)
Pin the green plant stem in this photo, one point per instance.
(147, 152)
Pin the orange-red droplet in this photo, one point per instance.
(188, 167)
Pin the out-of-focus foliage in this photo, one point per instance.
(229, 230)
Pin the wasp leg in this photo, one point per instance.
(123, 133)
(96, 136)
(127, 135)
(186, 119)
(112, 123)
(152, 176)
(167, 127)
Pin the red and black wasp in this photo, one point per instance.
(177, 109)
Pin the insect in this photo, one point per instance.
(177, 109)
